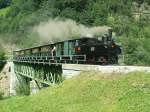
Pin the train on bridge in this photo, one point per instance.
(101, 50)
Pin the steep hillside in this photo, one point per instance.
(89, 92)
(130, 20)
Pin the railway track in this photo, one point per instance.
(100, 68)
(70, 70)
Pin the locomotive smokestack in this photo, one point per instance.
(110, 33)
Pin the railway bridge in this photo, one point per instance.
(43, 70)
(46, 72)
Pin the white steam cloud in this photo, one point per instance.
(58, 30)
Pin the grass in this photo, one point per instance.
(88, 92)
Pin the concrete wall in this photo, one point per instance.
(5, 80)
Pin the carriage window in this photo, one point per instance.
(100, 38)
(92, 49)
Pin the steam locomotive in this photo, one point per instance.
(101, 51)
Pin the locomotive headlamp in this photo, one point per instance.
(113, 46)
(77, 49)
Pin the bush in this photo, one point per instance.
(2, 54)
(2, 58)
(22, 87)
(1, 95)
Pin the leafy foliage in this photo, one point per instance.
(4, 3)
(1, 95)
(2, 57)
(22, 87)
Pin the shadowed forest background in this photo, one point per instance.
(130, 20)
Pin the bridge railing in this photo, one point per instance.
(61, 59)
(52, 59)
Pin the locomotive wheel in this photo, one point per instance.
(103, 60)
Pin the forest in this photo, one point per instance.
(129, 19)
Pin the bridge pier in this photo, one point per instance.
(13, 80)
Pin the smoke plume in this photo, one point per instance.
(57, 30)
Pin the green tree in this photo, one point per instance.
(1, 95)
(4, 3)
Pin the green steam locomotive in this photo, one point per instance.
(85, 50)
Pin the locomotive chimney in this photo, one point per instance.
(110, 33)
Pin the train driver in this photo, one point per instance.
(53, 51)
